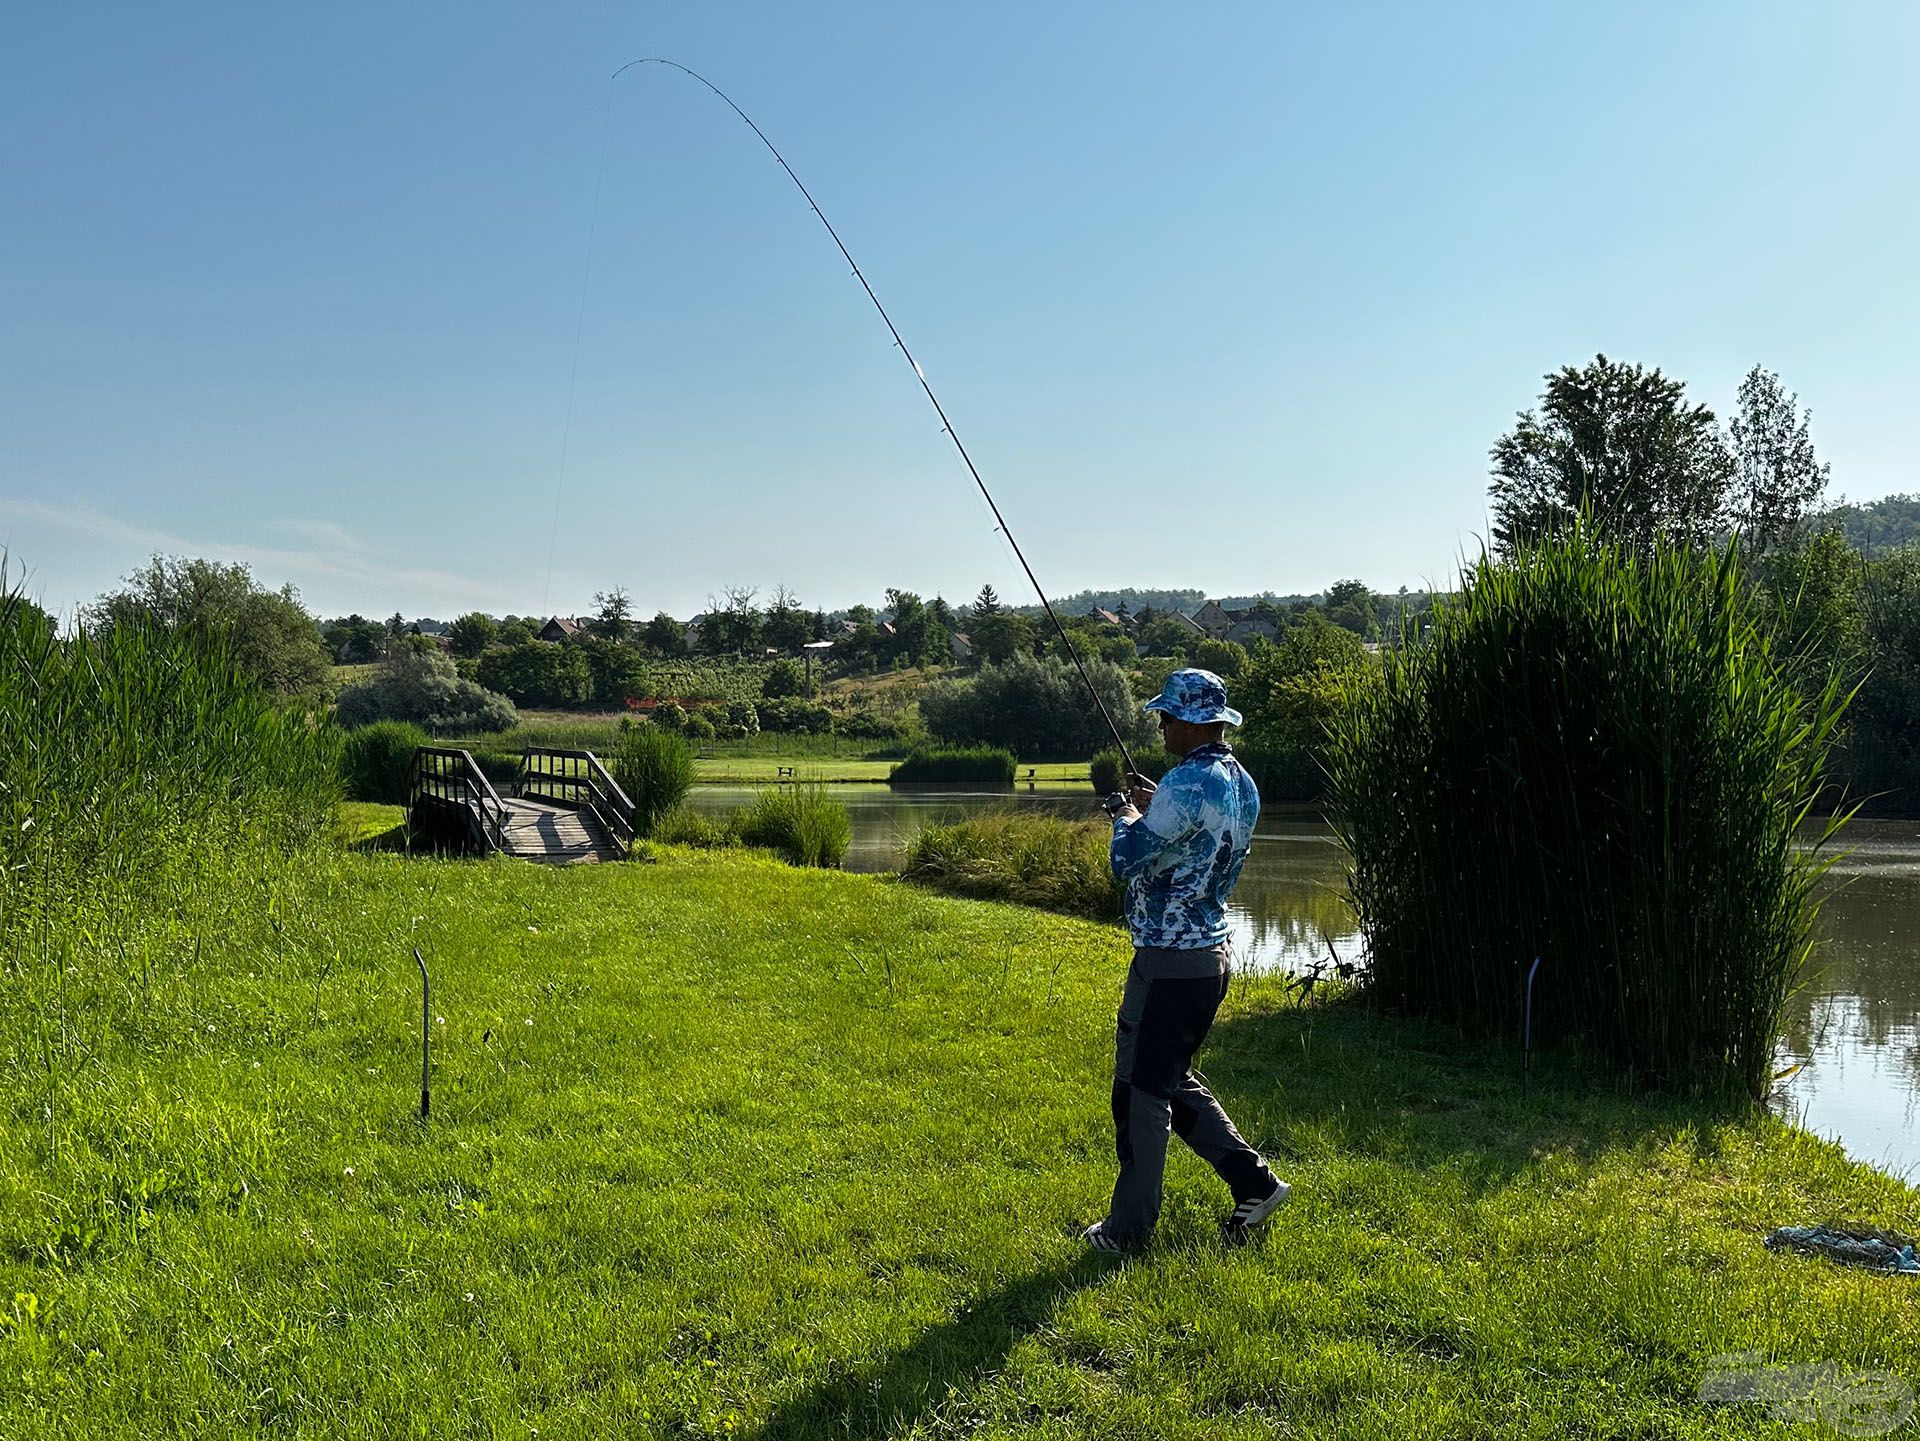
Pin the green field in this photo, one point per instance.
(722, 1148)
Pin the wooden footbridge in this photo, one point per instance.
(561, 807)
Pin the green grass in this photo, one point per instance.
(724, 1148)
(1010, 855)
(360, 822)
(754, 770)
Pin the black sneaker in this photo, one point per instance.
(1252, 1213)
(1098, 1240)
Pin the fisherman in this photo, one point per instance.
(1179, 848)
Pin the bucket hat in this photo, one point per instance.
(1198, 697)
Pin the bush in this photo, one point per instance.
(537, 673)
(795, 717)
(1293, 697)
(978, 763)
(374, 761)
(783, 678)
(1034, 708)
(655, 768)
(424, 688)
(684, 826)
(803, 823)
(1109, 767)
(699, 727)
(670, 715)
(1594, 758)
(1038, 860)
(500, 767)
(1224, 658)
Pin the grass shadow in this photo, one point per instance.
(944, 1363)
(1339, 1076)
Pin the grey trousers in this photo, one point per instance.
(1167, 1008)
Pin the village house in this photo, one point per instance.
(559, 628)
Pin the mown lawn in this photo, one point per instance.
(721, 1148)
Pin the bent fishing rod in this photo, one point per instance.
(946, 426)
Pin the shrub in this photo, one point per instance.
(744, 719)
(1038, 860)
(978, 763)
(700, 727)
(803, 823)
(374, 761)
(795, 717)
(1293, 697)
(537, 673)
(1034, 707)
(1224, 658)
(684, 826)
(425, 689)
(670, 715)
(1109, 767)
(783, 678)
(655, 768)
(1594, 758)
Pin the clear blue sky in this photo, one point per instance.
(1225, 297)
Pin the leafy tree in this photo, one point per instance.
(1350, 605)
(396, 625)
(665, 636)
(274, 640)
(1617, 441)
(614, 619)
(534, 673)
(986, 603)
(423, 688)
(355, 640)
(787, 627)
(861, 645)
(1224, 658)
(618, 669)
(1164, 635)
(517, 630)
(1777, 477)
(999, 636)
(783, 678)
(472, 633)
(941, 614)
(1291, 697)
(916, 635)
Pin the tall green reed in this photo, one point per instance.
(1593, 757)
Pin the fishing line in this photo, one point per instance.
(946, 426)
(573, 371)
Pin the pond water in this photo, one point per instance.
(1854, 1026)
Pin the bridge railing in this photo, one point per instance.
(448, 793)
(577, 779)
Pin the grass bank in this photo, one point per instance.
(722, 1148)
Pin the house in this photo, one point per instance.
(693, 631)
(559, 628)
(962, 647)
(1250, 625)
(1214, 620)
(1100, 613)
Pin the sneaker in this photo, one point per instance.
(1253, 1212)
(1097, 1239)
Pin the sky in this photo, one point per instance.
(416, 309)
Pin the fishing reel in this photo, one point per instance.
(1116, 803)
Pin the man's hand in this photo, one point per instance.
(1139, 790)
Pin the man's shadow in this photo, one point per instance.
(945, 1361)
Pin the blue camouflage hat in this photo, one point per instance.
(1198, 697)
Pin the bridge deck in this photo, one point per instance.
(539, 831)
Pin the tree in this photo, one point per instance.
(274, 640)
(396, 625)
(941, 614)
(422, 687)
(986, 603)
(1290, 697)
(614, 619)
(535, 674)
(1169, 635)
(783, 678)
(861, 645)
(1777, 477)
(786, 626)
(517, 630)
(1035, 708)
(1617, 441)
(999, 636)
(472, 633)
(665, 636)
(732, 625)
(355, 640)
(1350, 605)
(916, 635)
(1223, 657)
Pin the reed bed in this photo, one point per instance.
(1037, 860)
(1593, 758)
(802, 822)
(1108, 771)
(974, 764)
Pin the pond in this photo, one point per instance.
(1854, 1026)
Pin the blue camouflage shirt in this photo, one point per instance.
(1181, 858)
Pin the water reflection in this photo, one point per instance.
(1855, 1022)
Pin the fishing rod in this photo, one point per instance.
(946, 426)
